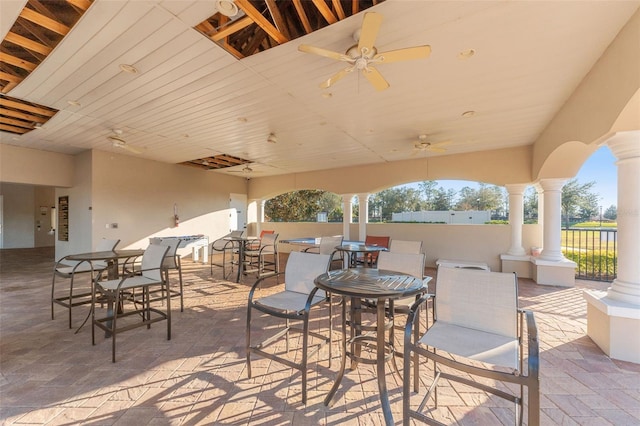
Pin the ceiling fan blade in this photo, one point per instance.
(439, 144)
(375, 78)
(436, 149)
(406, 54)
(324, 52)
(370, 27)
(334, 78)
(130, 148)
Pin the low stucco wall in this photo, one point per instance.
(482, 243)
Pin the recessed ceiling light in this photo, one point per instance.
(37, 125)
(73, 103)
(242, 119)
(468, 114)
(272, 138)
(466, 54)
(129, 68)
(327, 95)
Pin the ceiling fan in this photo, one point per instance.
(118, 141)
(364, 55)
(245, 170)
(423, 145)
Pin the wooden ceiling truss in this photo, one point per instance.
(216, 162)
(262, 24)
(19, 117)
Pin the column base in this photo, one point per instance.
(520, 264)
(561, 273)
(611, 323)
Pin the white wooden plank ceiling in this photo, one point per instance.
(191, 99)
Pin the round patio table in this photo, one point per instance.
(353, 250)
(368, 283)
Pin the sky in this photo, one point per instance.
(599, 168)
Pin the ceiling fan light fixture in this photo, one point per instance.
(272, 138)
(227, 7)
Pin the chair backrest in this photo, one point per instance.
(170, 261)
(268, 243)
(480, 300)
(405, 246)
(105, 244)
(373, 240)
(302, 269)
(265, 232)
(152, 261)
(328, 244)
(406, 263)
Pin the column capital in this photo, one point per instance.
(346, 198)
(554, 184)
(516, 188)
(625, 145)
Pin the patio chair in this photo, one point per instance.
(405, 246)
(264, 260)
(152, 276)
(409, 264)
(328, 246)
(371, 240)
(255, 244)
(229, 250)
(293, 304)
(478, 324)
(171, 262)
(63, 270)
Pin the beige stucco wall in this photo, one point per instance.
(35, 167)
(497, 167)
(605, 101)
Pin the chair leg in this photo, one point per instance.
(248, 340)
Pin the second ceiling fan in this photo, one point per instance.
(364, 55)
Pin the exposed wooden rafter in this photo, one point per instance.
(262, 24)
(19, 117)
(216, 162)
(39, 28)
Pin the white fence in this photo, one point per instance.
(450, 216)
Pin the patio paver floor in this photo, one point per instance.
(49, 375)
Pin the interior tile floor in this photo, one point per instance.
(49, 375)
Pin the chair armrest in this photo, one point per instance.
(312, 250)
(258, 282)
(412, 317)
(532, 343)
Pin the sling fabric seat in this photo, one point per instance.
(294, 303)
(478, 334)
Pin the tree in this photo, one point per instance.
(395, 200)
(444, 199)
(430, 190)
(578, 200)
(486, 197)
(301, 206)
(611, 213)
(531, 205)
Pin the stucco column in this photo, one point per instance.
(552, 194)
(347, 214)
(260, 214)
(613, 317)
(516, 217)
(540, 191)
(363, 216)
(626, 287)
